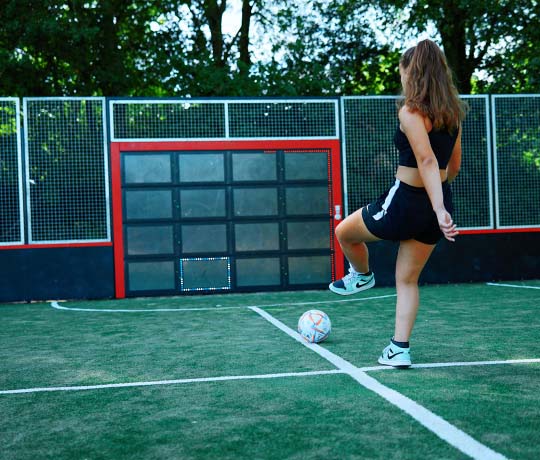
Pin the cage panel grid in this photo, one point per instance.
(473, 188)
(160, 120)
(516, 119)
(276, 119)
(371, 159)
(11, 211)
(67, 172)
(192, 119)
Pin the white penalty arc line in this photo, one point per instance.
(56, 305)
(513, 285)
(444, 430)
(169, 382)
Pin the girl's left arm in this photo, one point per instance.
(454, 164)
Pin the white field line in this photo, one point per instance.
(455, 364)
(169, 382)
(261, 376)
(444, 430)
(513, 285)
(55, 304)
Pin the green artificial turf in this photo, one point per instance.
(47, 347)
(302, 417)
(465, 322)
(321, 417)
(498, 405)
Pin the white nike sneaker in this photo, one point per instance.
(396, 356)
(352, 283)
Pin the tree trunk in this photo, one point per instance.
(213, 10)
(454, 40)
(110, 59)
(243, 43)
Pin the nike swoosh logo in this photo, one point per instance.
(359, 285)
(390, 356)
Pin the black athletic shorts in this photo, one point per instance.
(405, 212)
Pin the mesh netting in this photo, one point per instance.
(517, 159)
(68, 194)
(10, 185)
(182, 119)
(154, 120)
(371, 157)
(282, 119)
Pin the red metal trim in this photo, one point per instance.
(227, 145)
(339, 258)
(499, 230)
(57, 245)
(118, 231)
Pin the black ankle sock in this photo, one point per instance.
(400, 344)
(367, 273)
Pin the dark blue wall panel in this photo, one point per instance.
(56, 273)
(88, 272)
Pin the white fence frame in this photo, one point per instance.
(491, 226)
(494, 98)
(339, 134)
(226, 103)
(19, 171)
(105, 166)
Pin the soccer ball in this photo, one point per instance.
(314, 326)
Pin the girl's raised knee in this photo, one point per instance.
(339, 231)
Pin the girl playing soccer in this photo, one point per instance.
(416, 210)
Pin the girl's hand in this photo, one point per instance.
(446, 224)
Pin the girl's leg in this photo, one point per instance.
(411, 259)
(352, 235)
(412, 256)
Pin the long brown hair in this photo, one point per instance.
(429, 86)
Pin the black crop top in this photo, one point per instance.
(442, 142)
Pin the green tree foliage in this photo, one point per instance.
(331, 50)
(517, 69)
(74, 47)
(196, 57)
(178, 47)
(281, 47)
(496, 38)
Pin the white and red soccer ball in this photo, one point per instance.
(314, 326)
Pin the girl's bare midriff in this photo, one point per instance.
(411, 176)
